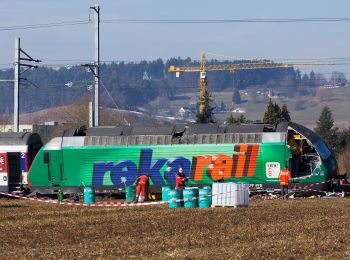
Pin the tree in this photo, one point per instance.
(236, 97)
(297, 77)
(285, 113)
(222, 106)
(305, 80)
(274, 114)
(236, 120)
(269, 115)
(320, 79)
(312, 79)
(343, 140)
(338, 78)
(207, 116)
(325, 127)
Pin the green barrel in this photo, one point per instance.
(174, 195)
(165, 192)
(60, 195)
(89, 195)
(130, 193)
(204, 200)
(190, 197)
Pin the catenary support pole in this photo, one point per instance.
(16, 86)
(96, 122)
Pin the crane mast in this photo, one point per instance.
(203, 86)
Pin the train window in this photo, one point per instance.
(304, 156)
(46, 157)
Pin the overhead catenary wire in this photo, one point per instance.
(104, 86)
(175, 21)
(43, 25)
(247, 20)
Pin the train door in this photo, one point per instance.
(54, 170)
(3, 172)
(14, 171)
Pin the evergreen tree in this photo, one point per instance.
(270, 113)
(274, 114)
(297, 77)
(207, 116)
(285, 113)
(236, 98)
(325, 127)
(236, 120)
(222, 106)
(312, 79)
(305, 80)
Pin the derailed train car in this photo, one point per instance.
(17, 152)
(108, 158)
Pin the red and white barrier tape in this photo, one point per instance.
(108, 204)
(313, 184)
(132, 204)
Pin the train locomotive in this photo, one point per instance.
(110, 158)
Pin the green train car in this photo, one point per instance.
(108, 158)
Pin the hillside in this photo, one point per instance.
(126, 85)
(77, 114)
(148, 87)
(303, 109)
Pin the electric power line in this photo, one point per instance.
(249, 20)
(43, 25)
(176, 21)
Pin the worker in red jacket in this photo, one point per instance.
(180, 180)
(284, 176)
(142, 187)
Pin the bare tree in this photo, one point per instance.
(344, 162)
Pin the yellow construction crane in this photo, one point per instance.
(203, 69)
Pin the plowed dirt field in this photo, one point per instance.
(269, 229)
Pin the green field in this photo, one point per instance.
(267, 229)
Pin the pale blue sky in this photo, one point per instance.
(133, 42)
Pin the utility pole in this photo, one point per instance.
(17, 79)
(96, 73)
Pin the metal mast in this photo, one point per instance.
(18, 65)
(16, 86)
(96, 73)
(203, 85)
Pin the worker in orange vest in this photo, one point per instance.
(284, 176)
(180, 180)
(142, 187)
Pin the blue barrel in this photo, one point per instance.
(207, 187)
(174, 195)
(165, 192)
(130, 193)
(190, 197)
(89, 195)
(204, 200)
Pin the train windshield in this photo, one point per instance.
(305, 159)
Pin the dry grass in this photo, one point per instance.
(290, 229)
